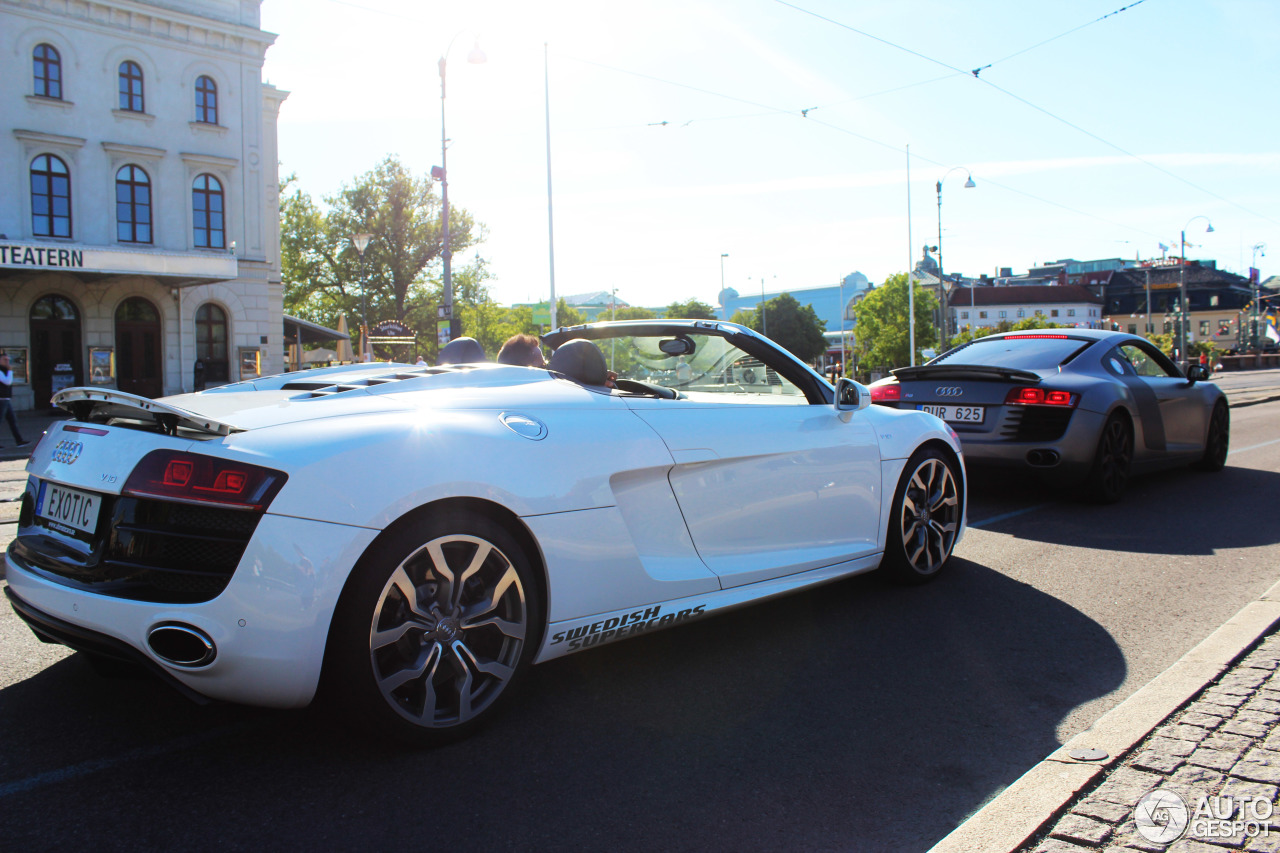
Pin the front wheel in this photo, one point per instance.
(434, 629)
(925, 518)
(1218, 441)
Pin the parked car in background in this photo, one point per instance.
(1078, 406)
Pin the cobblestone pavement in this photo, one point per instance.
(1220, 754)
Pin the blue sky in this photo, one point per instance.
(1101, 143)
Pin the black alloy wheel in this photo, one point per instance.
(1112, 461)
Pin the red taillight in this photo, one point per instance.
(1034, 337)
(886, 393)
(173, 475)
(1040, 397)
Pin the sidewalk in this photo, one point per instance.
(33, 424)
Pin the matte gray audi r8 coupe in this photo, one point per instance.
(1078, 406)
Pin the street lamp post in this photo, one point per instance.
(1184, 308)
(361, 242)
(942, 287)
(1256, 277)
(475, 57)
(723, 255)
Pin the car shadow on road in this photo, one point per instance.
(1179, 511)
(861, 715)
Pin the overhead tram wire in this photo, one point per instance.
(807, 115)
(1024, 101)
(1060, 35)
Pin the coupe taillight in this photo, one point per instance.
(175, 475)
(1040, 397)
(886, 393)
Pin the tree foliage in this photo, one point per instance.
(882, 332)
(791, 325)
(690, 309)
(633, 312)
(969, 333)
(324, 275)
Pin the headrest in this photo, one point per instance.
(580, 360)
(461, 351)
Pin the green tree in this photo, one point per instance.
(882, 331)
(323, 273)
(690, 309)
(791, 325)
(566, 316)
(969, 333)
(633, 312)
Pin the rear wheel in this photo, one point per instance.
(434, 630)
(1111, 462)
(925, 518)
(1218, 441)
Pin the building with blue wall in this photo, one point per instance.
(825, 301)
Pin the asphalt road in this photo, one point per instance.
(861, 716)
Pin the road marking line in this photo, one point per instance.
(75, 771)
(1013, 514)
(1236, 450)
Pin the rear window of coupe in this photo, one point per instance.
(1029, 352)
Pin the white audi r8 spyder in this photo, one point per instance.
(406, 541)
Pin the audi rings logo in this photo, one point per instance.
(948, 391)
(67, 451)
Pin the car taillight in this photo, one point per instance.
(886, 393)
(1035, 337)
(174, 475)
(1040, 397)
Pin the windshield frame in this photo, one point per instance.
(815, 388)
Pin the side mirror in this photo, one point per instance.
(1197, 373)
(850, 396)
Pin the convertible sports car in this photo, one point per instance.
(1078, 406)
(405, 541)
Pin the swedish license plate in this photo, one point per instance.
(70, 512)
(957, 414)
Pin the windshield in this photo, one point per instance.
(692, 362)
(1024, 352)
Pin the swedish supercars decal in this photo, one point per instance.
(615, 628)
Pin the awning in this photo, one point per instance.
(296, 329)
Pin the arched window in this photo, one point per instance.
(211, 341)
(206, 100)
(48, 71)
(206, 210)
(131, 87)
(50, 197)
(133, 205)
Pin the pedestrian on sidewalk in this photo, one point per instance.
(6, 399)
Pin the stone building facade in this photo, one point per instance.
(139, 196)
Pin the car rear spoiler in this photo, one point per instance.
(98, 405)
(964, 371)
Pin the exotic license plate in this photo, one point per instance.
(958, 414)
(68, 511)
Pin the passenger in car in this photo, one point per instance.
(522, 350)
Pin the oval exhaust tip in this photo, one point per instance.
(181, 645)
